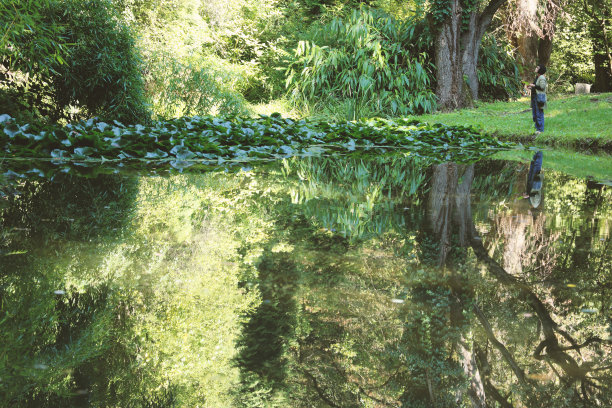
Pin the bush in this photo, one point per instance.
(88, 66)
(498, 74)
(369, 59)
(571, 60)
(195, 86)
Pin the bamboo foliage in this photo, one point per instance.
(369, 58)
(498, 74)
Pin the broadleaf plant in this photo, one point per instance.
(208, 139)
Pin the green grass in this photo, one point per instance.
(570, 121)
(580, 165)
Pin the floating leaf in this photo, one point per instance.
(180, 165)
(157, 154)
(182, 153)
(286, 150)
(11, 129)
(58, 153)
(84, 151)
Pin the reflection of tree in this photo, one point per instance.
(550, 348)
(265, 337)
(70, 207)
(450, 221)
(65, 334)
(574, 362)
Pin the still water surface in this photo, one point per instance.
(307, 283)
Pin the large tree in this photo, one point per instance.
(460, 24)
(599, 13)
(530, 26)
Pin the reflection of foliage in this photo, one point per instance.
(434, 375)
(357, 198)
(69, 207)
(495, 180)
(140, 336)
(203, 263)
(56, 327)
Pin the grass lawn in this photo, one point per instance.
(572, 121)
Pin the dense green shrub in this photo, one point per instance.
(370, 59)
(498, 74)
(195, 86)
(85, 65)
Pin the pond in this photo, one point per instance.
(307, 282)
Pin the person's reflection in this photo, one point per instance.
(533, 188)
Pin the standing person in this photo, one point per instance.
(538, 87)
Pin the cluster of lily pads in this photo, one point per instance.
(214, 140)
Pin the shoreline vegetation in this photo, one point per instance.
(219, 139)
(581, 122)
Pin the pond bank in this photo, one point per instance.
(572, 121)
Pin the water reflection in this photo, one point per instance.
(308, 283)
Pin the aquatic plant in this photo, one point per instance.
(213, 140)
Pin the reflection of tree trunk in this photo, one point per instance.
(450, 206)
(450, 213)
(444, 185)
(463, 208)
(476, 391)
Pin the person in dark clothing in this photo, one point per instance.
(533, 188)
(539, 86)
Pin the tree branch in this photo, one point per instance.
(487, 14)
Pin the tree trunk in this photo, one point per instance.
(602, 57)
(470, 42)
(448, 61)
(532, 35)
(457, 54)
(544, 50)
